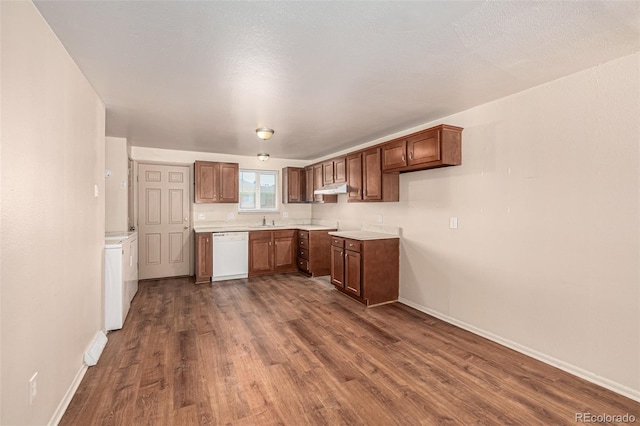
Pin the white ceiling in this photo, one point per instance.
(201, 76)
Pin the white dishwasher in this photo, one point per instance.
(230, 255)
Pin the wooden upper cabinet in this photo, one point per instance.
(216, 182)
(308, 193)
(354, 177)
(327, 173)
(367, 182)
(372, 174)
(317, 181)
(340, 170)
(206, 179)
(394, 154)
(228, 182)
(334, 171)
(438, 146)
(293, 187)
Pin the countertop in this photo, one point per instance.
(115, 239)
(202, 229)
(363, 235)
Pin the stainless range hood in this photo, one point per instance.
(336, 188)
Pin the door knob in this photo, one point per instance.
(186, 227)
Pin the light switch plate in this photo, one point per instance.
(453, 223)
(380, 218)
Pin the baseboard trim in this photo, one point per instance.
(569, 368)
(62, 407)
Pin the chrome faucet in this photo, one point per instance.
(264, 221)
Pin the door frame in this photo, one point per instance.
(191, 240)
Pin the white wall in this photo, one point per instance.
(116, 185)
(220, 212)
(52, 226)
(546, 257)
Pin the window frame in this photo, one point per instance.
(258, 173)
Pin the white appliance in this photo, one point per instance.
(120, 277)
(230, 255)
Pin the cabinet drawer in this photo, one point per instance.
(303, 235)
(303, 264)
(352, 245)
(337, 242)
(302, 243)
(303, 253)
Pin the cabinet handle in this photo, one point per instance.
(341, 253)
(269, 242)
(411, 155)
(350, 245)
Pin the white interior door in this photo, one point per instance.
(164, 224)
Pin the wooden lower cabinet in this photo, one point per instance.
(272, 252)
(337, 266)
(367, 270)
(314, 252)
(352, 269)
(284, 251)
(204, 257)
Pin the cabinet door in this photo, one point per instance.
(337, 266)
(371, 175)
(204, 257)
(308, 194)
(293, 185)
(317, 182)
(424, 148)
(394, 154)
(207, 176)
(327, 173)
(228, 192)
(340, 170)
(284, 253)
(354, 177)
(260, 258)
(352, 277)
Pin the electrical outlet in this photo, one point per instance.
(33, 387)
(380, 218)
(230, 216)
(201, 216)
(285, 214)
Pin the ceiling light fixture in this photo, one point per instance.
(264, 133)
(263, 157)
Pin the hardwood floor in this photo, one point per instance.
(287, 349)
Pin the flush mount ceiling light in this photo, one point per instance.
(263, 157)
(264, 133)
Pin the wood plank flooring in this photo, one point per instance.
(290, 350)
